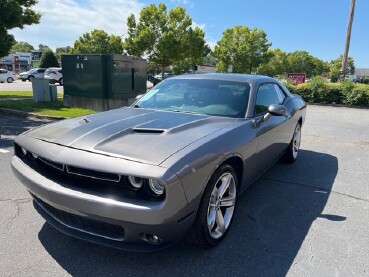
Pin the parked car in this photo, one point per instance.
(173, 164)
(166, 75)
(31, 74)
(54, 75)
(7, 76)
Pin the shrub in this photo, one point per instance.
(346, 92)
(317, 90)
(365, 80)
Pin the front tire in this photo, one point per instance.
(10, 80)
(61, 81)
(293, 149)
(216, 210)
(30, 78)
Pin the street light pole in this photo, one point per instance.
(348, 37)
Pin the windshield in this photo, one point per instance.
(210, 97)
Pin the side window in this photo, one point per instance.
(266, 96)
(281, 94)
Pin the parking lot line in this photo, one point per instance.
(3, 151)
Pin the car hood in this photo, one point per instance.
(141, 135)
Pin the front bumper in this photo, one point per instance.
(132, 223)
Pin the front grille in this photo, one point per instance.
(84, 224)
(105, 184)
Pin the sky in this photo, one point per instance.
(316, 26)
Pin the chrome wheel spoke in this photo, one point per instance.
(220, 222)
(224, 186)
(211, 219)
(228, 201)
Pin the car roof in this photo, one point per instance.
(226, 77)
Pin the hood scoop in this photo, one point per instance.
(147, 131)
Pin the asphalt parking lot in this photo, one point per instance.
(306, 219)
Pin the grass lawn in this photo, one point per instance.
(44, 108)
(19, 94)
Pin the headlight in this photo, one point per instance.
(156, 187)
(135, 182)
(24, 151)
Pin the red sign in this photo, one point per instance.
(296, 78)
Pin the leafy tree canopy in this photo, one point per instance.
(335, 67)
(166, 37)
(277, 65)
(62, 51)
(15, 14)
(97, 42)
(43, 47)
(48, 59)
(21, 46)
(210, 59)
(303, 62)
(243, 48)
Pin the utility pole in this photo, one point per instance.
(348, 37)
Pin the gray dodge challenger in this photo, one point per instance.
(170, 166)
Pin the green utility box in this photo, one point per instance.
(102, 82)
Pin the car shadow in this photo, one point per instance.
(13, 125)
(272, 220)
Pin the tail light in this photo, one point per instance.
(53, 71)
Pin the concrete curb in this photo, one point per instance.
(338, 105)
(33, 115)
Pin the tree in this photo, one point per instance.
(15, 14)
(303, 62)
(48, 59)
(210, 59)
(43, 47)
(97, 42)
(243, 48)
(335, 67)
(21, 46)
(62, 51)
(166, 38)
(277, 64)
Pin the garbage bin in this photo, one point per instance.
(43, 91)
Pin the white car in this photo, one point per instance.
(54, 75)
(37, 73)
(166, 75)
(7, 76)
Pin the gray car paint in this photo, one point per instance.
(182, 150)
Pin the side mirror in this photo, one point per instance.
(277, 110)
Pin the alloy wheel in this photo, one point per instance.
(221, 205)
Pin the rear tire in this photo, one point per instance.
(216, 210)
(61, 81)
(293, 149)
(10, 80)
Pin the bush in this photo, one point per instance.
(319, 91)
(365, 80)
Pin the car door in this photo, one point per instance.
(271, 135)
(2, 75)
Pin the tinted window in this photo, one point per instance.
(266, 96)
(2, 71)
(41, 70)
